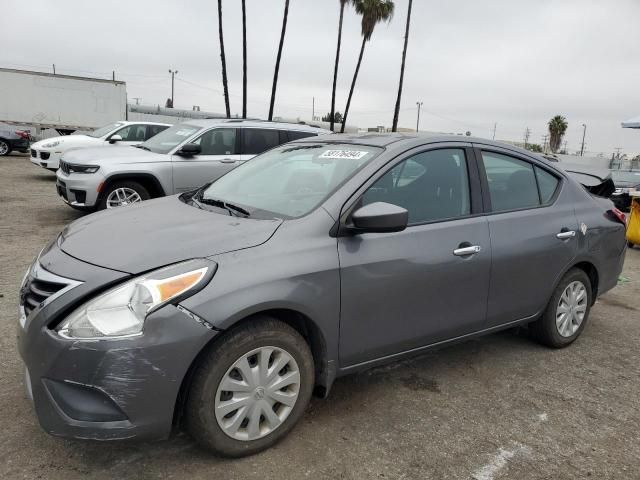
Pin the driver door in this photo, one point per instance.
(405, 290)
(219, 154)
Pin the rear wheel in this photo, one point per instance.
(567, 312)
(630, 244)
(250, 389)
(5, 149)
(121, 194)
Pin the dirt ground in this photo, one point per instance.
(499, 407)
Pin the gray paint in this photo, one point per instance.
(372, 297)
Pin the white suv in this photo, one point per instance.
(46, 153)
(182, 158)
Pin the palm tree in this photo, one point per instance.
(394, 127)
(557, 128)
(224, 61)
(373, 12)
(335, 68)
(277, 69)
(244, 61)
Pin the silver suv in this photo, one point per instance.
(179, 159)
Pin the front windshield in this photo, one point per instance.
(102, 131)
(291, 180)
(167, 139)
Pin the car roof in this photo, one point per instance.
(409, 140)
(129, 122)
(239, 122)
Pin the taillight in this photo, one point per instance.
(22, 134)
(618, 215)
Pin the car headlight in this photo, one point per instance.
(82, 168)
(51, 144)
(121, 311)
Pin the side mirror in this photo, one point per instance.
(189, 150)
(379, 217)
(115, 138)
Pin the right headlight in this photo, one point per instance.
(121, 311)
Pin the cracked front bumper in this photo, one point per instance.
(106, 389)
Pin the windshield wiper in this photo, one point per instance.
(143, 147)
(230, 207)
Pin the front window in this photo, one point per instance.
(291, 180)
(170, 138)
(102, 131)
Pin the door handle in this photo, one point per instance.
(565, 235)
(227, 160)
(464, 251)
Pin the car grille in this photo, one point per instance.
(40, 287)
(45, 155)
(34, 154)
(64, 167)
(36, 292)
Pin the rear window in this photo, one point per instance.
(258, 140)
(298, 135)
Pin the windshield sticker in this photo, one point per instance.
(184, 133)
(346, 154)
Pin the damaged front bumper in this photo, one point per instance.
(105, 389)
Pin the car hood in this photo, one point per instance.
(110, 154)
(68, 141)
(159, 232)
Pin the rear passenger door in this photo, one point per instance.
(533, 233)
(218, 154)
(254, 141)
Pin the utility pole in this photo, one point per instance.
(54, 68)
(527, 132)
(137, 99)
(565, 147)
(419, 104)
(313, 108)
(495, 125)
(544, 143)
(173, 74)
(584, 132)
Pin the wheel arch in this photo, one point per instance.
(325, 369)
(147, 180)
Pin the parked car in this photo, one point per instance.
(46, 153)
(224, 308)
(179, 159)
(13, 139)
(626, 182)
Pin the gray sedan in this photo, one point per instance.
(225, 308)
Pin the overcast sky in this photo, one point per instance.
(513, 62)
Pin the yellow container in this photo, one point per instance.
(633, 227)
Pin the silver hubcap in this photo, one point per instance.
(122, 197)
(257, 393)
(4, 148)
(572, 308)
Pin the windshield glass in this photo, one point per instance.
(291, 180)
(626, 176)
(169, 138)
(102, 131)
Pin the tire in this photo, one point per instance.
(630, 244)
(5, 148)
(216, 365)
(127, 185)
(546, 330)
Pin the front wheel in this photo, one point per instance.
(121, 194)
(630, 244)
(250, 389)
(567, 312)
